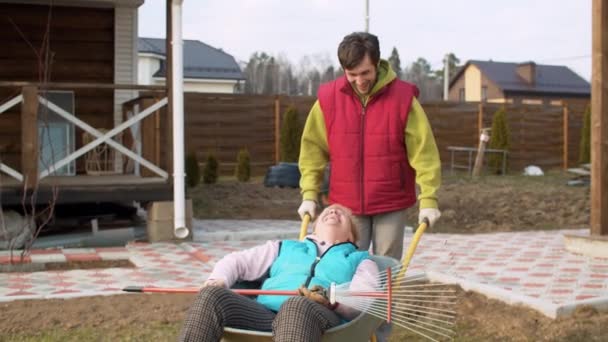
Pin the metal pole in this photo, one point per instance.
(366, 15)
(446, 76)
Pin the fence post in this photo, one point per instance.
(480, 118)
(481, 150)
(277, 127)
(565, 116)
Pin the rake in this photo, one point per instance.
(406, 301)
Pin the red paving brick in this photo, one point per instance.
(15, 259)
(544, 270)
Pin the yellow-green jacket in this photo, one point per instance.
(421, 148)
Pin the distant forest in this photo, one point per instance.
(268, 74)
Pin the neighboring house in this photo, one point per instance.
(527, 83)
(206, 69)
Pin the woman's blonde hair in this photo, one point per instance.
(354, 226)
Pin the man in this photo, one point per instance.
(371, 128)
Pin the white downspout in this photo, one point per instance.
(179, 193)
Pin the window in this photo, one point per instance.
(55, 133)
(484, 93)
(461, 95)
(532, 101)
(556, 103)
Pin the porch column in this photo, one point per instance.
(596, 243)
(599, 119)
(29, 137)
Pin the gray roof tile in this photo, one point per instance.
(200, 59)
(550, 79)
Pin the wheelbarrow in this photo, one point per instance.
(362, 328)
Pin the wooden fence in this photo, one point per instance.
(547, 136)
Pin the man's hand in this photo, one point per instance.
(432, 214)
(316, 294)
(309, 207)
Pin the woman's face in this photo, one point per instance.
(333, 225)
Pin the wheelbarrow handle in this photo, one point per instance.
(304, 226)
(245, 292)
(412, 247)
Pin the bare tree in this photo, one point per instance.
(35, 217)
(420, 73)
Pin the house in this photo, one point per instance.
(74, 124)
(206, 69)
(528, 83)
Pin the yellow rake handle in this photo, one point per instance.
(304, 226)
(412, 247)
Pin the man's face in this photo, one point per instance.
(363, 76)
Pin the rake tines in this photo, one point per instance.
(409, 302)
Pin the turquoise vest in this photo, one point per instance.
(297, 264)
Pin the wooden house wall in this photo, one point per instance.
(81, 46)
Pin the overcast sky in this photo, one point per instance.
(554, 32)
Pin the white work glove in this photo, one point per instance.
(432, 214)
(309, 207)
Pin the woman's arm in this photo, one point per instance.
(365, 279)
(250, 264)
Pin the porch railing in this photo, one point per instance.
(135, 119)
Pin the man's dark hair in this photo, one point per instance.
(355, 46)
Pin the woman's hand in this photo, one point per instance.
(214, 282)
(316, 294)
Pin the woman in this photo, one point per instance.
(328, 255)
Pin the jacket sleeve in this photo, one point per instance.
(314, 153)
(365, 279)
(250, 264)
(423, 155)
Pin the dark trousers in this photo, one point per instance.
(299, 319)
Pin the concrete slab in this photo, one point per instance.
(528, 268)
(585, 244)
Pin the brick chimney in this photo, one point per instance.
(527, 71)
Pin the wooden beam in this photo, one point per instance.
(73, 85)
(599, 119)
(565, 130)
(479, 118)
(148, 143)
(29, 137)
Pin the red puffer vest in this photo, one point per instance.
(370, 173)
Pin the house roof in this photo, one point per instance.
(200, 59)
(550, 79)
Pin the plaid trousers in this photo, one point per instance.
(298, 319)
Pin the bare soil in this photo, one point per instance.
(488, 204)
(64, 266)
